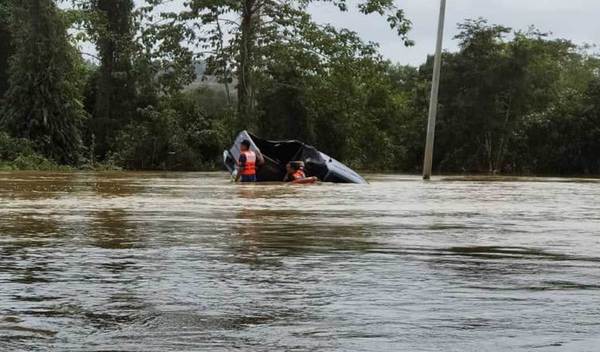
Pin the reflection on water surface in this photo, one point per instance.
(171, 262)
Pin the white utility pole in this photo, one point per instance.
(435, 87)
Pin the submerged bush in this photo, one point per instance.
(185, 132)
(19, 154)
(11, 148)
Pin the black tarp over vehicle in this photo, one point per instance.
(278, 153)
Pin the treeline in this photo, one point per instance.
(511, 101)
(518, 102)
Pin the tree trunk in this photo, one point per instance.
(115, 97)
(245, 65)
(6, 51)
(102, 106)
(36, 25)
(504, 137)
(224, 67)
(489, 151)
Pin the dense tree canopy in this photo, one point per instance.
(511, 101)
(496, 88)
(43, 102)
(241, 39)
(6, 50)
(115, 92)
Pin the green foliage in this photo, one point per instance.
(137, 62)
(185, 132)
(511, 101)
(265, 27)
(19, 154)
(43, 103)
(493, 90)
(12, 148)
(565, 137)
(355, 114)
(6, 49)
(109, 25)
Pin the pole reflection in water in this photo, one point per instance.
(171, 262)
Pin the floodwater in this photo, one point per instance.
(191, 262)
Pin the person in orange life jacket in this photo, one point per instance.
(296, 174)
(247, 163)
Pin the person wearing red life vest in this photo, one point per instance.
(296, 174)
(247, 163)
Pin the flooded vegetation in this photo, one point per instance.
(172, 262)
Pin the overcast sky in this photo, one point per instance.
(578, 20)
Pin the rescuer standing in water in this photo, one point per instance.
(248, 162)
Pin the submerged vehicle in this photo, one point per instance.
(278, 153)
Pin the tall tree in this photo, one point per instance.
(139, 59)
(43, 102)
(5, 45)
(115, 102)
(490, 88)
(238, 36)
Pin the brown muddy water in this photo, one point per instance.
(191, 262)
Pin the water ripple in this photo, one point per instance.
(189, 261)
